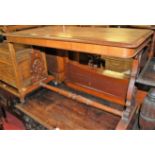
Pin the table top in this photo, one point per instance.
(115, 37)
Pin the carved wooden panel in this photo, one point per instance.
(38, 70)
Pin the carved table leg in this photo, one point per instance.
(131, 105)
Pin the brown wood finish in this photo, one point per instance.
(78, 47)
(82, 99)
(110, 88)
(123, 125)
(55, 111)
(16, 65)
(101, 95)
(29, 89)
(16, 68)
(113, 42)
(105, 41)
(56, 63)
(149, 27)
(117, 64)
(11, 28)
(127, 38)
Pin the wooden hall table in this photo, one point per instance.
(112, 42)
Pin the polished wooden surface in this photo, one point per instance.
(149, 27)
(104, 41)
(129, 38)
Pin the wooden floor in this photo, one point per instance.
(55, 111)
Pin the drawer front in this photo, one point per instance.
(7, 74)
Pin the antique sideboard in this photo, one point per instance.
(123, 52)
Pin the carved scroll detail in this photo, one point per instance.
(38, 71)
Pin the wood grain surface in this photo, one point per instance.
(129, 38)
(55, 111)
